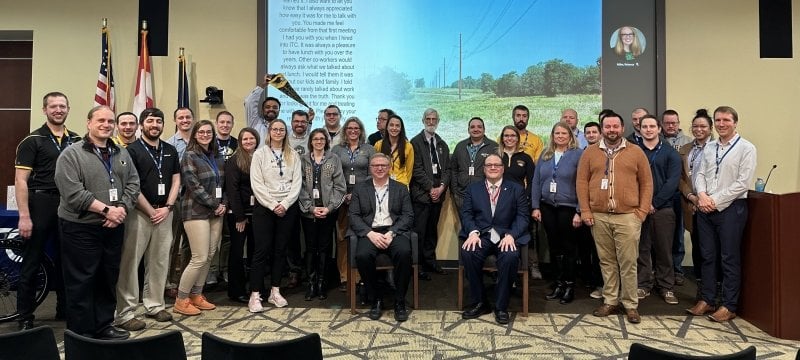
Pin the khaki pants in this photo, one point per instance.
(204, 238)
(617, 239)
(143, 239)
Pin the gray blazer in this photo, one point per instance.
(332, 186)
(362, 208)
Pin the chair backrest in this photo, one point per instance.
(639, 351)
(37, 343)
(306, 347)
(168, 345)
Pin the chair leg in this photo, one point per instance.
(460, 287)
(351, 285)
(525, 293)
(416, 287)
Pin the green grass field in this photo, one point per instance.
(496, 112)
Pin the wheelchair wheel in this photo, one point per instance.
(10, 266)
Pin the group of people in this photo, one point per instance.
(602, 199)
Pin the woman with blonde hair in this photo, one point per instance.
(628, 43)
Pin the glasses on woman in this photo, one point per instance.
(278, 130)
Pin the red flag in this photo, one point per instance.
(104, 94)
(144, 81)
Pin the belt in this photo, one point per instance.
(381, 229)
(45, 191)
(159, 206)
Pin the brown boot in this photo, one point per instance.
(199, 301)
(185, 307)
(700, 308)
(722, 315)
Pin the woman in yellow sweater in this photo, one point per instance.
(396, 145)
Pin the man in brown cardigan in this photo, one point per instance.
(615, 190)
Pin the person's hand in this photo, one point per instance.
(279, 210)
(436, 193)
(377, 240)
(576, 221)
(507, 243)
(705, 203)
(472, 241)
(240, 225)
(115, 216)
(321, 212)
(159, 215)
(267, 78)
(347, 198)
(311, 115)
(25, 226)
(588, 220)
(220, 210)
(652, 210)
(536, 214)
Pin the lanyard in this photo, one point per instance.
(696, 151)
(157, 163)
(555, 166)
(66, 137)
(652, 158)
(353, 154)
(719, 159)
(106, 164)
(317, 168)
(279, 159)
(473, 151)
(381, 198)
(213, 164)
(493, 196)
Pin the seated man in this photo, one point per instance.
(494, 220)
(381, 216)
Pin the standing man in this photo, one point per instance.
(466, 163)
(428, 187)
(675, 137)
(37, 199)
(184, 120)
(570, 117)
(587, 252)
(637, 114)
(380, 216)
(127, 124)
(261, 112)
(333, 125)
(726, 172)
(179, 253)
(615, 191)
(655, 243)
(382, 120)
(494, 220)
(530, 143)
(591, 132)
(226, 144)
(672, 130)
(148, 228)
(99, 186)
(298, 139)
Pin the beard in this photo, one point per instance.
(520, 125)
(431, 129)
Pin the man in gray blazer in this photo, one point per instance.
(381, 216)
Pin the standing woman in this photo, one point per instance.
(322, 192)
(519, 166)
(276, 179)
(354, 156)
(202, 208)
(692, 155)
(395, 144)
(555, 204)
(240, 217)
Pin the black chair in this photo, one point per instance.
(168, 345)
(382, 262)
(37, 343)
(639, 351)
(306, 347)
(489, 265)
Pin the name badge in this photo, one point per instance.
(393, 177)
(351, 179)
(552, 186)
(252, 200)
(471, 171)
(162, 189)
(283, 186)
(604, 184)
(218, 192)
(316, 193)
(435, 169)
(112, 195)
(690, 173)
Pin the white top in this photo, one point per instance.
(270, 188)
(382, 217)
(726, 171)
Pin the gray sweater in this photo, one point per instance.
(81, 178)
(331, 184)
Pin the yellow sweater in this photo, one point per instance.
(398, 172)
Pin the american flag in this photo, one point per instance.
(104, 95)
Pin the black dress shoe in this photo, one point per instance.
(501, 317)
(440, 271)
(424, 276)
(112, 333)
(375, 311)
(244, 299)
(476, 311)
(400, 311)
(25, 325)
(568, 296)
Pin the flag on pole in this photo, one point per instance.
(183, 82)
(104, 94)
(144, 81)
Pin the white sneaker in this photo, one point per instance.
(254, 305)
(597, 293)
(211, 278)
(276, 299)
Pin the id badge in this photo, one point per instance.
(435, 169)
(252, 200)
(690, 173)
(112, 195)
(218, 192)
(162, 189)
(552, 186)
(351, 179)
(283, 186)
(316, 193)
(471, 171)
(393, 177)
(604, 184)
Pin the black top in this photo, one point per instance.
(145, 158)
(238, 191)
(227, 147)
(374, 137)
(38, 152)
(519, 169)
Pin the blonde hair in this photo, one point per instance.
(288, 152)
(636, 46)
(550, 151)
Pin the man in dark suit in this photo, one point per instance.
(494, 220)
(381, 216)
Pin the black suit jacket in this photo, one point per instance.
(422, 178)
(362, 208)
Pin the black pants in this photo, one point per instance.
(43, 209)
(399, 251)
(721, 235)
(507, 265)
(562, 237)
(272, 235)
(319, 233)
(590, 263)
(91, 256)
(427, 219)
(236, 263)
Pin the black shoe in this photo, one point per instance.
(501, 317)
(240, 299)
(400, 311)
(424, 276)
(439, 270)
(557, 293)
(25, 325)
(375, 311)
(476, 311)
(568, 296)
(112, 333)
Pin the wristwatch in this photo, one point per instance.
(105, 210)
(170, 206)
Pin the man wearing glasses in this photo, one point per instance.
(333, 125)
(383, 118)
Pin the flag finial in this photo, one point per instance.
(144, 24)
(105, 22)
(181, 52)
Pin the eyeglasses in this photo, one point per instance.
(626, 35)
(493, 166)
(331, 114)
(278, 130)
(318, 139)
(382, 119)
(379, 166)
(509, 135)
(353, 129)
(205, 132)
